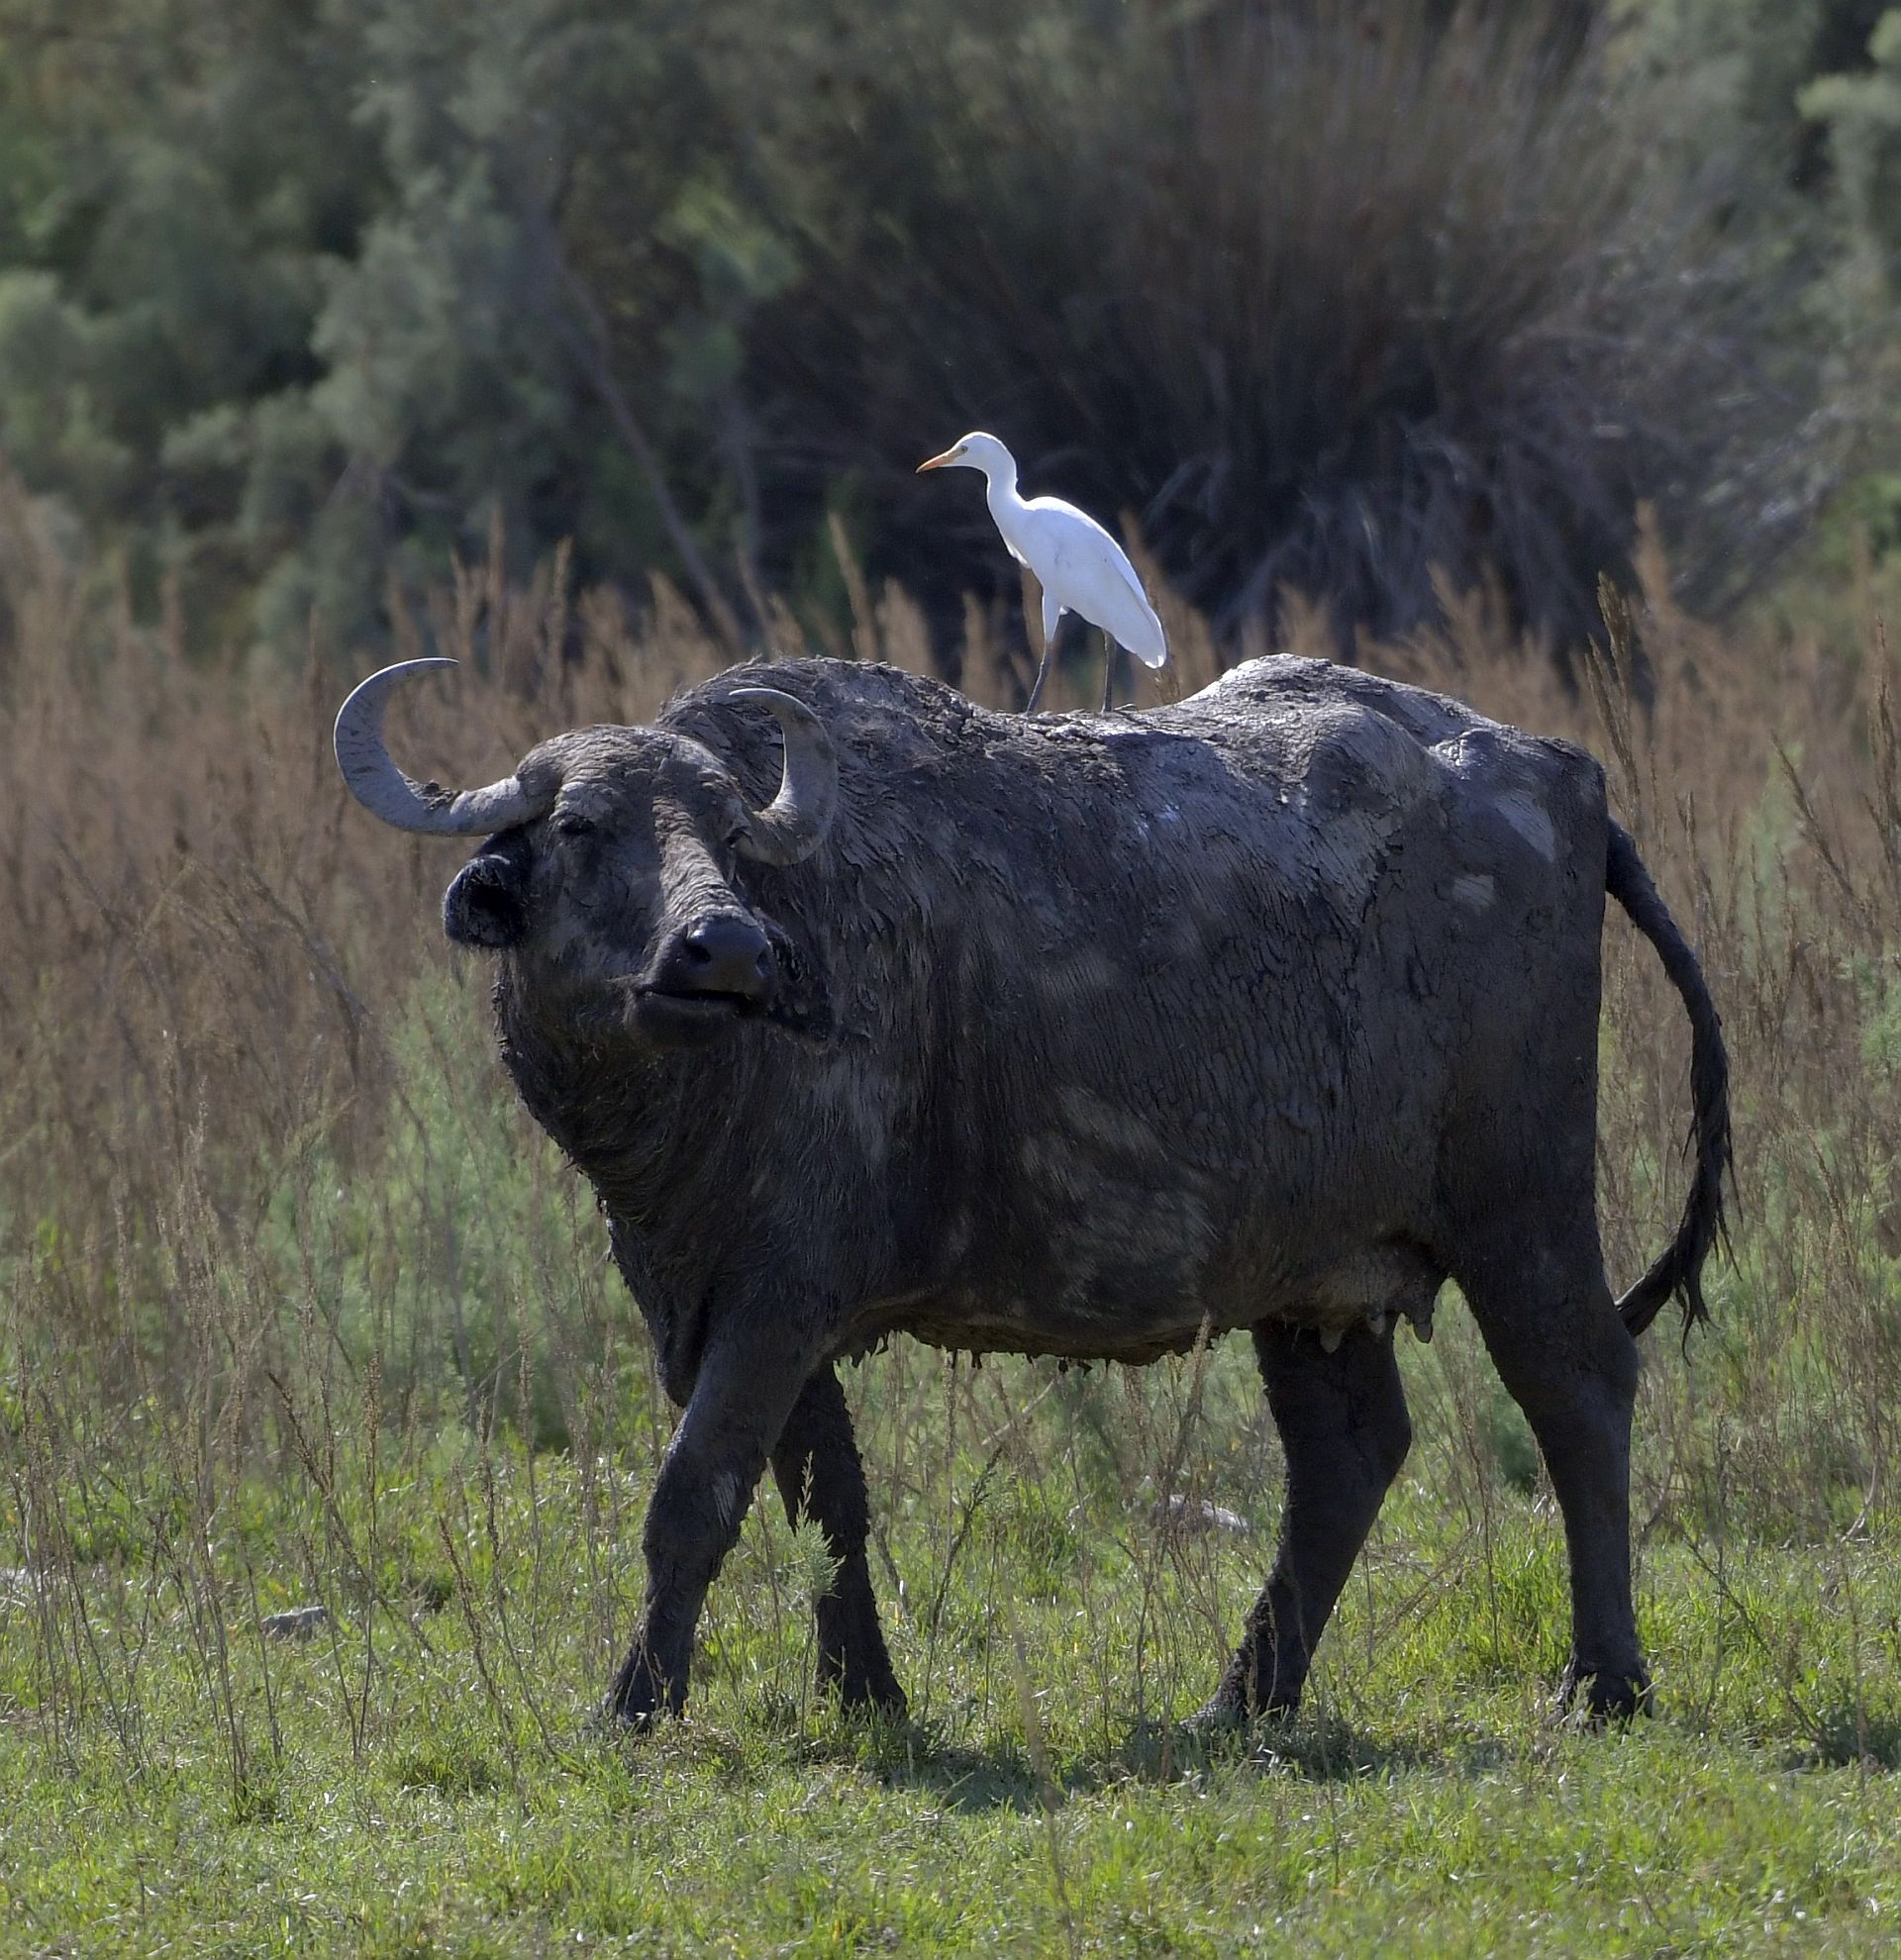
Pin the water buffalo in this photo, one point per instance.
(868, 1010)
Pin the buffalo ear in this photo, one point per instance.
(486, 905)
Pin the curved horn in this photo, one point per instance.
(790, 826)
(399, 799)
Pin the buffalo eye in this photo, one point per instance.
(573, 826)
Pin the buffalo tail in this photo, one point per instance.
(1679, 1268)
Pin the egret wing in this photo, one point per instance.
(1091, 576)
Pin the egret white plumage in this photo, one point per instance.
(1080, 567)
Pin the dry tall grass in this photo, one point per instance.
(267, 1211)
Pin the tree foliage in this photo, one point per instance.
(300, 297)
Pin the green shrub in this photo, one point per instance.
(1330, 298)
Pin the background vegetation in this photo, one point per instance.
(594, 343)
(297, 1310)
(298, 296)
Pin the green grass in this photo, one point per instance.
(295, 1308)
(411, 1389)
(422, 1777)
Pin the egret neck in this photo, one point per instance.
(1000, 492)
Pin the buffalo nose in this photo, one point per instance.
(728, 955)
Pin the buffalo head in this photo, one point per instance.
(610, 865)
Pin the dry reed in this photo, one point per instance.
(268, 1214)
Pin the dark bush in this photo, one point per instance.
(296, 303)
(1326, 296)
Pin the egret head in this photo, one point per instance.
(975, 452)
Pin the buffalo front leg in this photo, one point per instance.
(1344, 1428)
(816, 1463)
(741, 1396)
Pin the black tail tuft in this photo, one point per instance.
(1679, 1268)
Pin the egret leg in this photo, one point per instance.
(1036, 686)
(1043, 673)
(1108, 670)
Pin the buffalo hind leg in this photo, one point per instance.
(1344, 1431)
(743, 1396)
(1554, 1333)
(816, 1464)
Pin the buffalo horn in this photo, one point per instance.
(790, 826)
(398, 799)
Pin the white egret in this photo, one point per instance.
(1080, 567)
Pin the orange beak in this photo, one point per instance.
(938, 462)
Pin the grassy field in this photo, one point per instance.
(419, 1776)
(296, 1311)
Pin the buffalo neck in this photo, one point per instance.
(648, 1127)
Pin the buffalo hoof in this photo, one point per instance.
(1599, 1695)
(608, 1724)
(640, 1695)
(875, 1694)
(1229, 1709)
(853, 1662)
